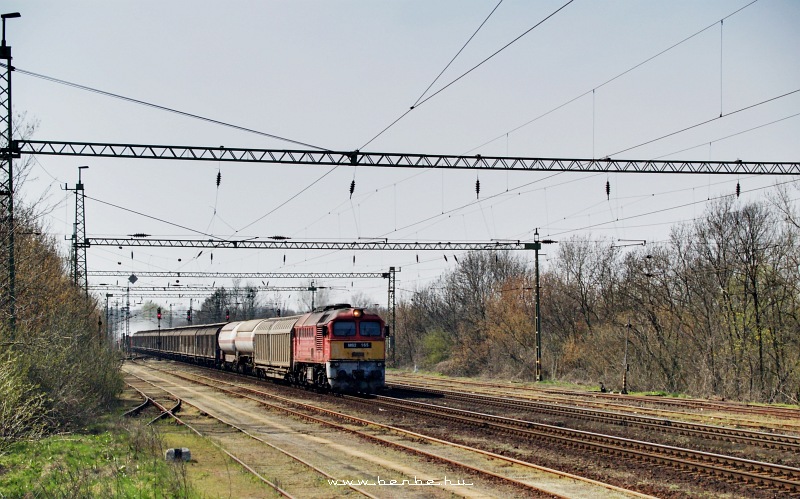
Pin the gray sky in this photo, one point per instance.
(335, 73)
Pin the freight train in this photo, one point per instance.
(336, 348)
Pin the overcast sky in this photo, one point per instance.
(333, 74)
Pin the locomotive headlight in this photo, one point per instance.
(357, 312)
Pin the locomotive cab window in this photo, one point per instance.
(344, 328)
(370, 328)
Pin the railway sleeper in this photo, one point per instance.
(642, 452)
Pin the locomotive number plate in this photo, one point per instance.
(357, 344)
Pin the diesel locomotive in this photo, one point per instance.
(336, 348)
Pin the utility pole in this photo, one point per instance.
(536, 246)
(108, 322)
(8, 151)
(625, 361)
(158, 315)
(128, 312)
(390, 340)
(131, 280)
(538, 317)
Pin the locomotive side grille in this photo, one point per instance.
(318, 338)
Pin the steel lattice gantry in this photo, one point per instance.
(245, 275)
(145, 294)
(119, 289)
(310, 245)
(193, 290)
(399, 160)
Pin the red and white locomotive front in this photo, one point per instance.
(341, 347)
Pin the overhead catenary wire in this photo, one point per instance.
(508, 190)
(450, 212)
(477, 188)
(471, 203)
(473, 68)
(751, 106)
(162, 108)
(487, 185)
(661, 210)
(454, 210)
(151, 217)
(437, 76)
(708, 143)
(598, 225)
(455, 56)
(566, 182)
(288, 200)
(638, 198)
(632, 68)
(66, 204)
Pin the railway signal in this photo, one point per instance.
(158, 315)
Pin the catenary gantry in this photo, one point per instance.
(311, 245)
(244, 275)
(398, 160)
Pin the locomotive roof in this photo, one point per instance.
(326, 314)
(180, 328)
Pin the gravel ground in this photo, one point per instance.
(364, 460)
(342, 455)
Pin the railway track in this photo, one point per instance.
(154, 397)
(692, 404)
(670, 426)
(774, 476)
(638, 404)
(147, 388)
(491, 466)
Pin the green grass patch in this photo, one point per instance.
(122, 459)
(211, 470)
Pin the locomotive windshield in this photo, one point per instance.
(344, 328)
(370, 328)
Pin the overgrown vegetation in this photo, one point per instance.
(59, 376)
(57, 368)
(713, 312)
(121, 461)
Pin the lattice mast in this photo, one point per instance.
(78, 269)
(8, 151)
